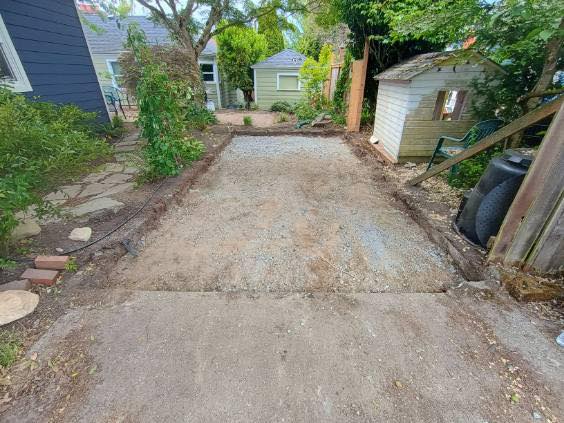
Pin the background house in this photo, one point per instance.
(107, 45)
(277, 79)
(425, 97)
(44, 54)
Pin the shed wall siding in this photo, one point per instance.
(48, 38)
(420, 132)
(267, 92)
(391, 109)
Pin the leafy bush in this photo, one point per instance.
(247, 121)
(281, 106)
(162, 106)
(313, 74)
(304, 110)
(41, 145)
(367, 113)
(470, 171)
(342, 85)
(199, 117)
(283, 117)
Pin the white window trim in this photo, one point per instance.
(21, 84)
(215, 77)
(278, 75)
(111, 71)
(204, 62)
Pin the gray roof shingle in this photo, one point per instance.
(416, 65)
(287, 58)
(111, 39)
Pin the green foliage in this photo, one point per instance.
(470, 171)
(343, 84)
(516, 33)
(163, 105)
(283, 117)
(309, 44)
(71, 265)
(247, 121)
(198, 117)
(41, 145)
(6, 264)
(281, 106)
(238, 49)
(313, 74)
(269, 24)
(367, 113)
(304, 110)
(10, 344)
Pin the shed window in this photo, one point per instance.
(208, 73)
(288, 82)
(12, 73)
(449, 105)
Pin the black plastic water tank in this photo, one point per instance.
(483, 208)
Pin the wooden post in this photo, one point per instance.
(517, 125)
(358, 81)
(531, 233)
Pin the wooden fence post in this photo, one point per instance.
(358, 80)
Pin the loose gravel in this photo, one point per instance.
(287, 214)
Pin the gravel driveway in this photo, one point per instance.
(287, 214)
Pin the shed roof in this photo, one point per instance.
(416, 65)
(111, 39)
(287, 58)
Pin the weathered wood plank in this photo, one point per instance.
(508, 130)
(536, 199)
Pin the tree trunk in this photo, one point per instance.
(549, 69)
(248, 95)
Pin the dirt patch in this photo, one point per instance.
(286, 214)
(259, 118)
(433, 206)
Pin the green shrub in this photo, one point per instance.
(198, 117)
(281, 106)
(247, 121)
(367, 113)
(304, 110)
(163, 104)
(342, 85)
(41, 146)
(471, 170)
(283, 117)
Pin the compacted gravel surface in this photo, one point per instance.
(287, 214)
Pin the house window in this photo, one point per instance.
(116, 73)
(288, 82)
(208, 73)
(449, 105)
(12, 73)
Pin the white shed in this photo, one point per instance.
(425, 97)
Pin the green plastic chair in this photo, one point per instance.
(475, 134)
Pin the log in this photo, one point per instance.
(512, 128)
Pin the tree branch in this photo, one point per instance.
(531, 95)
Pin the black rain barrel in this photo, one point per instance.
(483, 208)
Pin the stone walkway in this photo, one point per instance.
(96, 191)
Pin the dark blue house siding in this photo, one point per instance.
(48, 37)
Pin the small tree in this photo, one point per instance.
(270, 26)
(239, 48)
(313, 74)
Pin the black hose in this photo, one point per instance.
(131, 216)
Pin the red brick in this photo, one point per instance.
(51, 262)
(40, 276)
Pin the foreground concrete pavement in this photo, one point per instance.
(218, 357)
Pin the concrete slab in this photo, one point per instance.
(172, 357)
(94, 189)
(116, 189)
